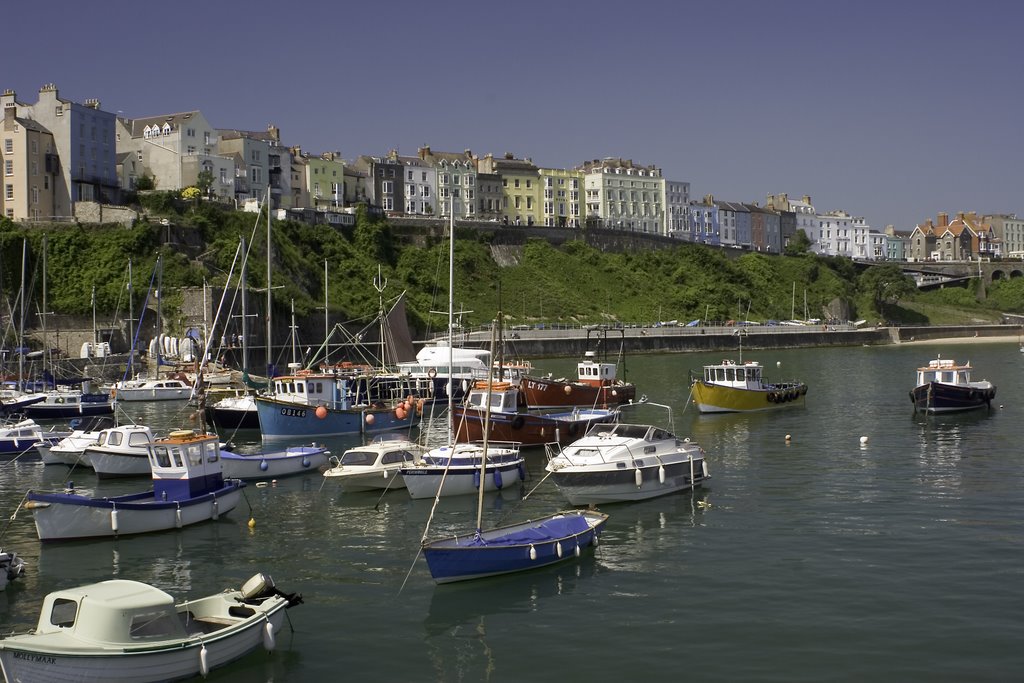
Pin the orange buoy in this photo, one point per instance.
(321, 412)
(369, 418)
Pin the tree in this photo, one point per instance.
(145, 182)
(885, 283)
(799, 244)
(204, 181)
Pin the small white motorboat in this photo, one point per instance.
(122, 630)
(625, 462)
(376, 465)
(19, 438)
(274, 464)
(166, 389)
(120, 452)
(458, 467)
(68, 451)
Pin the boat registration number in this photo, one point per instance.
(293, 412)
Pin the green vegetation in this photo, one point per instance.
(572, 284)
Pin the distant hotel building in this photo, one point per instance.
(624, 195)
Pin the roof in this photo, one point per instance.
(136, 126)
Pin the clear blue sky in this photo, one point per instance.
(892, 110)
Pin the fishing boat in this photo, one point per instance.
(120, 452)
(121, 630)
(625, 462)
(517, 547)
(234, 412)
(68, 451)
(512, 548)
(188, 487)
(274, 464)
(11, 567)
(943, 386)
(20, 438)
(375, 466)
(335, 401)
(142, 389)
(511, 420)
(740, 387)
(596, 385)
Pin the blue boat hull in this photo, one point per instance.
(284, 420)
(937, 397)
(519, 547)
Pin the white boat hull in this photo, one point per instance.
(375, 479)
(139, 665)
(161, 394)
(65, 521)
(111, 465)
(273, 465)
(424, 482)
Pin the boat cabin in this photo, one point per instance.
(944, 371)
(185, 465)
(731, 374)
(339, 391)
(504, 397)
(130, 436)
(594, 373)
(116, 611)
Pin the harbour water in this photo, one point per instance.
(812, 559)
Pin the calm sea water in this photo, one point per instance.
(817, 559)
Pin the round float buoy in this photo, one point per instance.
(615, 392)
(305, 461)
(863, 440)
(400, 413)
(252, 522)
(778, 363)
(370, 418)
(321, 412)
(788, 438)
(263, 465)
(568, 389)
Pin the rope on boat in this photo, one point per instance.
(13, 516)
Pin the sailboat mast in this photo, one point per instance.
(245, 297)
(496, 325)
(295, 358)
(270, 357)
(21, 324)
(327, 324)
(95, 341)
(451, 319)
(379, 283)
(131, 319)
(46, 344)
(159, 309)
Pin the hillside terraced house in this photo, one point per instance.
(83, 144)
(624, 195)
(520, 188)
(421, 187)
(1008, 231)
(174, 149)
(965, 238)
(561, 192)
(30, 169)
(702, 222)
(454, 182)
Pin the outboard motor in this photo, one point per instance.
(261, 586)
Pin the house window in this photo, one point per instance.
(388, 203)
(35, 195)
(8, 145)
(8, 167)
(387, 187)
(8, 191)
(191, 150)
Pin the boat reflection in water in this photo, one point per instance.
(455, 629)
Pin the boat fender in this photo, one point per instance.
(771, 397)
(177, 517)
(577, 551)
(263, 465)
(639, 477)
(522, 472)
(661, 474)
(204, 663)
(497, 479)
(113, 520)
(533, 553)
(518, 421)
(216, 510)
(476, 479)
(268, 636)
(595, 542)
(305, 461)
(558, 548)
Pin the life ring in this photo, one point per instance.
(518, 421)
(431, 373)
(181, 434)
(803, 389)
(772, 398)
(59, 399)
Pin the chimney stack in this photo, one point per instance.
(942, 219)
